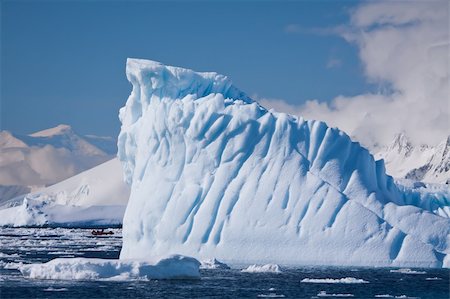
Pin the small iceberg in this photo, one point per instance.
(213, 264)
(325, 294)
(346, 280)
(50, 289)
(433, 278)
(269, 268)
(407, 271)
(172, 267)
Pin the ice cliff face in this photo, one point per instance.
(214, 174)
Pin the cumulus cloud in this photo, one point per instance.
(404, 45)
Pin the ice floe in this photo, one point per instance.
(407, 271)
(346, 280)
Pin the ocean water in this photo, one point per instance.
(38, 245)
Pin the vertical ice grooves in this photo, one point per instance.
(396, 245)
(251, 143)
(185, 130)
(338, 208)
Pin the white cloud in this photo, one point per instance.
(404, 45)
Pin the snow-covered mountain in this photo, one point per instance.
(97, 196)
(29, 162)
(424, 163)
(215, 175)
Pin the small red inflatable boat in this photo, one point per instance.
(102, 232)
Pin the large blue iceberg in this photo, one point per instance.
(215, 175)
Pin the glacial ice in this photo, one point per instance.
(268, 268)
(171, 267)
(214, 174)
(213, 264)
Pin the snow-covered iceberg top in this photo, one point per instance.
(213, 173)
(171, 267)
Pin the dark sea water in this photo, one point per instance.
(40, 245)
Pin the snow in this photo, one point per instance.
(346, 280)
(212, 173)
(30, 162)
(427, 163)
(269, 268)
(45, 212)
(171, 267)
(94, 197)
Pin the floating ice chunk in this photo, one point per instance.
(271, 296)
(407, 271)
(384, 296)
(172, 267)
(325, 294)
(346, 280)
(213, 264)
(50, 289)
(11, 266)
(433, 278)
(269, 268)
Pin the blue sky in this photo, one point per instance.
(64, 61)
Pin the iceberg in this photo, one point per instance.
(214, 174)
(213, 264)
(171, 267)
(269, 268)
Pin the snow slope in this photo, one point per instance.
(29, 162)
(214, 174)
(95, 197)
(425, 163)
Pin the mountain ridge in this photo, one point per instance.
(30, 162)
(427, 163)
